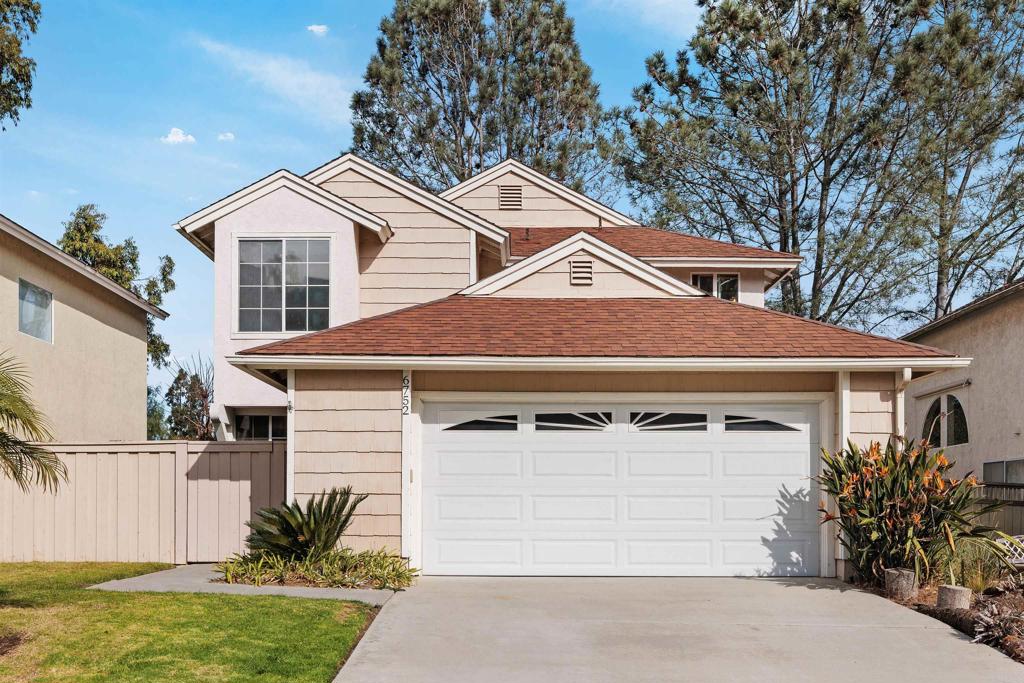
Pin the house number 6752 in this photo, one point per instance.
(406, 393)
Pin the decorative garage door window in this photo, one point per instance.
(656, 421)
(573, 422)
(497, 423)
(744, 423)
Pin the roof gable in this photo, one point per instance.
(191, 225)
(981, 303)
(581, 242)
(511, 166)
(456, 213)
(33, 240)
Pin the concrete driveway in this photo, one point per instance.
(624, 629)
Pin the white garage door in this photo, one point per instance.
(624, 489)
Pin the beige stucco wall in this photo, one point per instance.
(427, 258)
(348, 431)
(609, 282)
(541, 208)
(994, 400)
(91, 381)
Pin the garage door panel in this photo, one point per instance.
(622, 501)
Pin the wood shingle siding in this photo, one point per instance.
(426, 258)
(348, 432)
(872, 403)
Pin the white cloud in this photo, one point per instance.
(176, 137)
(318, 30)
(677, 18)
(320, 95)
(226, 137)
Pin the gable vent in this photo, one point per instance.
(510, 197)
(581, 273)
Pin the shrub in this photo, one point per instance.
(972, 565)
(335, 569)
(293, 532)
(897, 509)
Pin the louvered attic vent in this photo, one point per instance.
(581, 273)
(510, 197)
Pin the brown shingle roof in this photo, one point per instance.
(694, 327)
(640, 242)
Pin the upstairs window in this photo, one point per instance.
(35, 311)
(723, 285)
(954, 417)
(261, 427)
(283, 285)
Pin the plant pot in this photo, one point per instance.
(900, 584)
(954, 597)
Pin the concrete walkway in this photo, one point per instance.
(199, 578)
(646, 630)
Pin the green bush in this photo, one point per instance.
(972, 565)
(896, 509)
(292, 532)
(335, 569)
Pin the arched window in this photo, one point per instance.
(956, 421)
(932, 430)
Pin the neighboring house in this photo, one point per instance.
(80, 336)
(527, 382)
(976, 413)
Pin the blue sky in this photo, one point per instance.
(152, 111)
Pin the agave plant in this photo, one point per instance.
(21, 423)
(296, 532)
(897, 509)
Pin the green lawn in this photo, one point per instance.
(51, 629)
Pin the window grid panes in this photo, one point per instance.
(261, 427)
(35, 311)
(729, 287)
(283, 285)
(654, 421)
(573, 422)
(705, 283)
(956, 422)
(743, 423)
(931, 429)
(497, 423)
(994, 472)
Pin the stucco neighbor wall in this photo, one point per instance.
(282, 213)
(427, 257)
(541, 208)
(91, 381)
(994, 399)
(348, 431)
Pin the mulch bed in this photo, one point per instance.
(10, 641)
(963, 620)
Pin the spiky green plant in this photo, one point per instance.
(296, 532)
(21, 423)
(895, 508)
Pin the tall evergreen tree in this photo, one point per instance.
(457, 86)
(788, 133)
(83, 238)
(965, 75)
(19, 20)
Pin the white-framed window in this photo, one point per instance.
(260, 427)
(723, 285)
(35, 311)
(283, 285)
(1003, 472)
(945, 422)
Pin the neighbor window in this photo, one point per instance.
(1003, 472)
(954, 417)
(35, 311)
(283, 285)
(724, 286)
(260, 427)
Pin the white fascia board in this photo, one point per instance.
(512, 166)
(275, 181)
(26, 236)
(407, 189)
(721, 262)
(254, 363)
(569, 246)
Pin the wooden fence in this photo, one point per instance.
(1010, 518)
(155, 501)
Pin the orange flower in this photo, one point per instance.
(915, 518)
(942, 462)
(884, 471)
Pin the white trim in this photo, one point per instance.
(828, 542)
(903, 378)
(512, 166)
(843, 409)
(273, 182)
(473, 266)
(407, 189)
(581, 241)
(33, 240)
(289, 453)
(276, 362)
(721, 262)
(715, 284)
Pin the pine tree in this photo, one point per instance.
(457, 86)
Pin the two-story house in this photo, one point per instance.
(526, 381)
